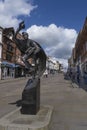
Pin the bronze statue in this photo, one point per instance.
(31, 49)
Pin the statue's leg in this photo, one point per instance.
(27, 64)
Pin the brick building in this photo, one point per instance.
(1, 30)
(80, 50)
(11, 64)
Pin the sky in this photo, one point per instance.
(54, 24)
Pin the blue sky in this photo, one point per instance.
(67, 13)
(53, 23)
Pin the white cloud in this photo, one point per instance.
(11, 9)
(57, 41)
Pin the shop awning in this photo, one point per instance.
(9, 64)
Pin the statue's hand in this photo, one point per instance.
(21, 25)
(30, 50)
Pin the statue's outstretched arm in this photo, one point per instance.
(21, 26)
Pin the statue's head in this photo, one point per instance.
(25, 35)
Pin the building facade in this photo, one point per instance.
(52, 65)
(79, 57)
(81, 49)
(11, 65)
(1, 31)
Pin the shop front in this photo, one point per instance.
(8, 70)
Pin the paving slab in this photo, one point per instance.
(17, 121)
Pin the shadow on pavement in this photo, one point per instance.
(18, 103)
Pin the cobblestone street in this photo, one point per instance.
(70, 104)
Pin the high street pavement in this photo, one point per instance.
(70, 103)
(10, 93)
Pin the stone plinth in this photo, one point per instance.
(17, 121)
(31, 97)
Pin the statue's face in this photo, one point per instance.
(25, 36)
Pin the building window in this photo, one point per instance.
(8, 57)
(9, 47)
(84, 48)
(0, 35)
(86, 45)
(85, 66)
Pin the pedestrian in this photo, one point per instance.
(46, 73)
